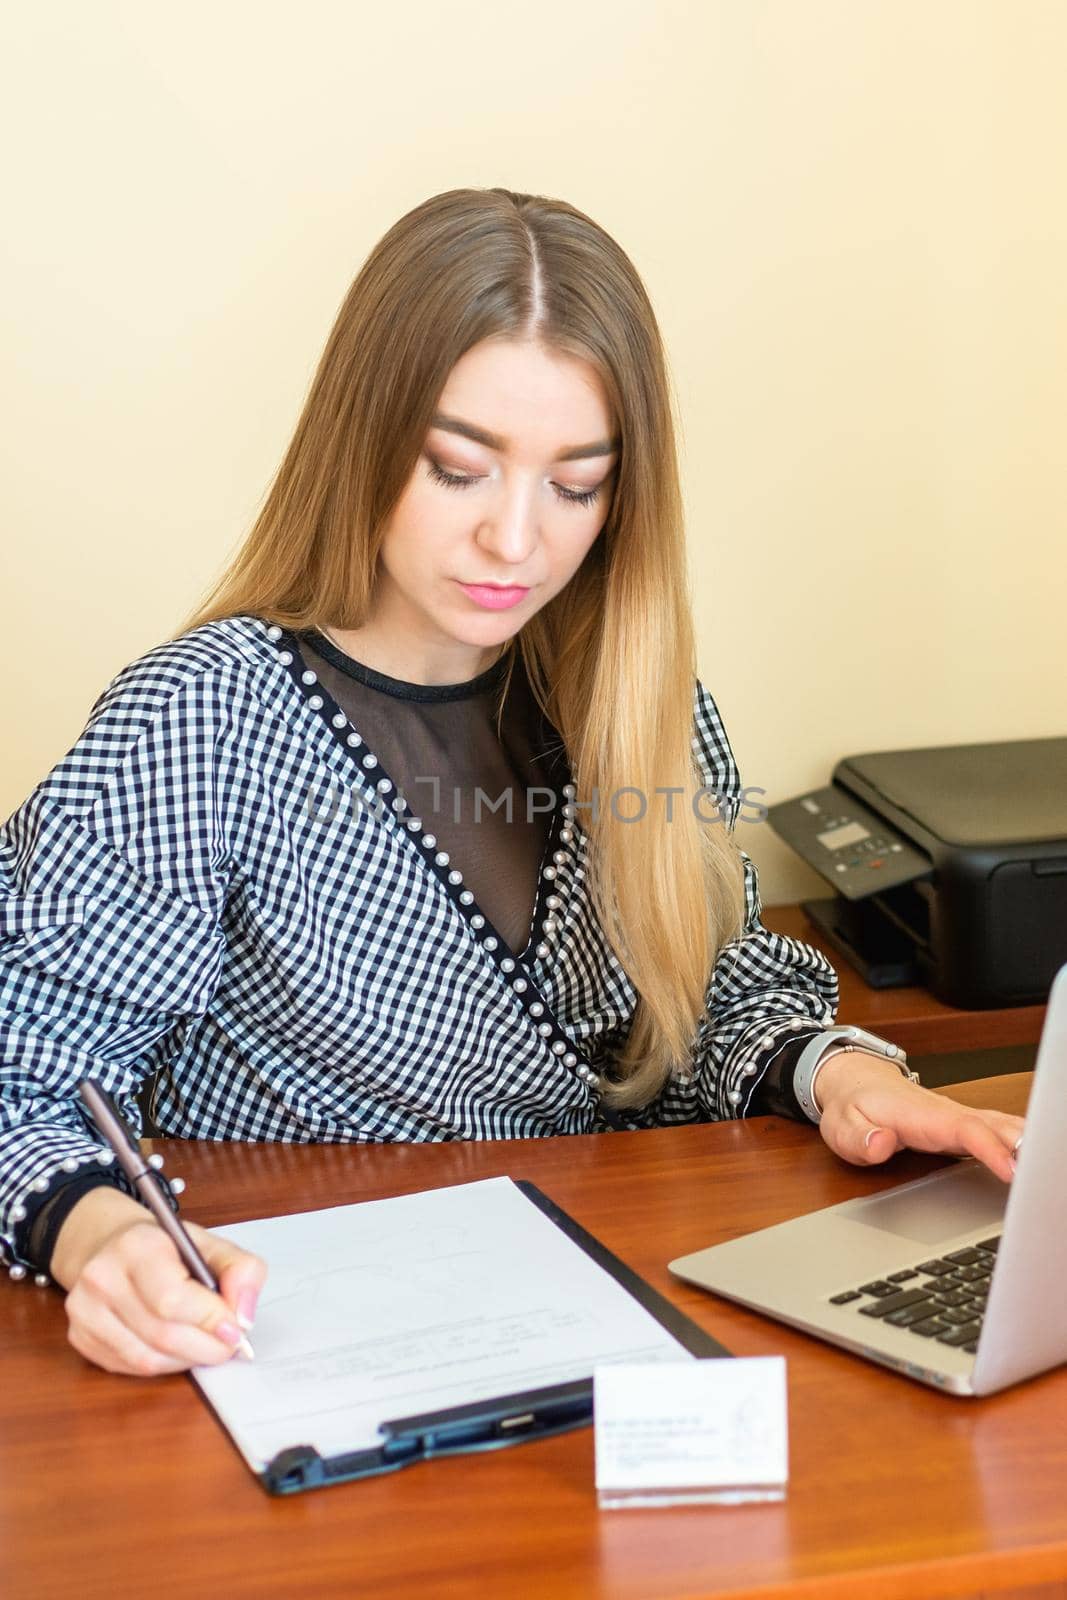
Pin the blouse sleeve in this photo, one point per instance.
(113, 876)
(767, 992)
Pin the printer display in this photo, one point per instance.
(948, 865)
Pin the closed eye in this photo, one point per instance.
(450, 480)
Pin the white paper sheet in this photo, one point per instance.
(427, 1301)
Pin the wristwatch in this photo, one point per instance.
(830, 1043)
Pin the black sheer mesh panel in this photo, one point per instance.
(446, 736)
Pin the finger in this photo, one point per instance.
(1011, 1131)
(1008, 1128)
(177, 1338)
(856, 1138)
(939, 1123)
(879, 1144)
(168, 1308)
(98, 1335)
(1011, 1136)
(241, 1274)
(977, 1138)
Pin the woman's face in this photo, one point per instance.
(512, 487)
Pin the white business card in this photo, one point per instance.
(671, 1433)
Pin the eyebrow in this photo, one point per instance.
(493, 441)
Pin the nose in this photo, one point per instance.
(509, 531)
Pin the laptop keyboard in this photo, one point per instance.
(943, 1298)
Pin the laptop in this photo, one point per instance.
(958, 1280)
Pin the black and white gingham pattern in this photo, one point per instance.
(185, 895)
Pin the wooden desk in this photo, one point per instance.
(111, 1484)
(911, 1017)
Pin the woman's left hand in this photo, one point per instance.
(870, 1111)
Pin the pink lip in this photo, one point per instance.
(492, 597)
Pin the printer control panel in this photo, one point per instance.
(850, 846)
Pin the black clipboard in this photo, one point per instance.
(490, 1424)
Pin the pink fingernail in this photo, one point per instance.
(227, 1332)
(246, 1308)
(868, 1136)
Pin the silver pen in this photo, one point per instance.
(149, 1188)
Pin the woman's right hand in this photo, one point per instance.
(132, 1305)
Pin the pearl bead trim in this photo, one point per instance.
(67, 1167)
(556, 863)
(764, 1035)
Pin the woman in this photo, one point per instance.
(422, 827)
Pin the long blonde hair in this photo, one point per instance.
(611, 659)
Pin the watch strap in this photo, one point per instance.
(831, 1042)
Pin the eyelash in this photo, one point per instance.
(450, 481)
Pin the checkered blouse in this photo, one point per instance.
(183, 898)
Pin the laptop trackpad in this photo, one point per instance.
(935, 1209)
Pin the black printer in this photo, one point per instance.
(949, 867)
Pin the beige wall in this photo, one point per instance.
(849, 214)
